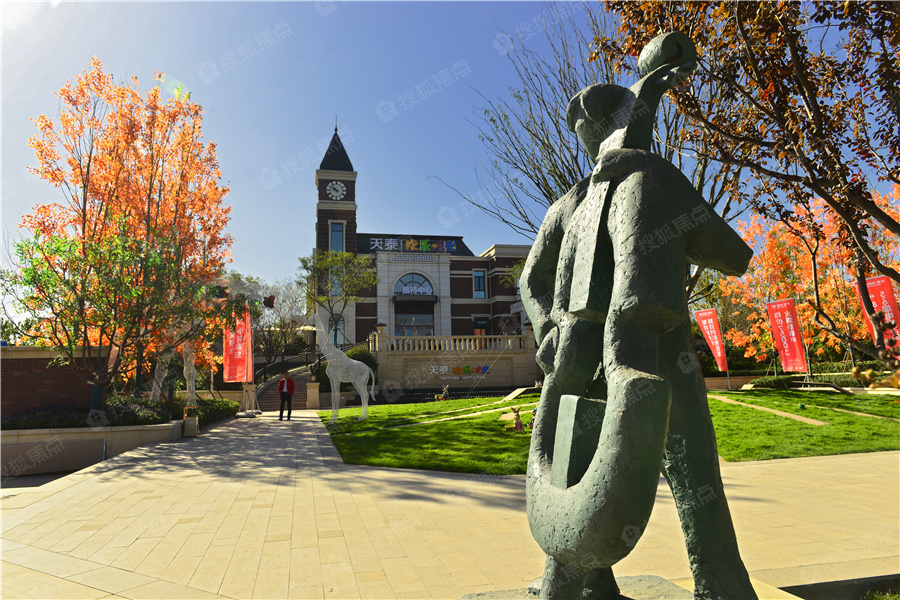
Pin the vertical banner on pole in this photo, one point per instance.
(882, 294)
(234, 351)
(786, 334)
(708, 320)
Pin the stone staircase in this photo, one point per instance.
(267, 393)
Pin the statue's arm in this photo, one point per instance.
(539, 274)
(709, 239)
(712, 243)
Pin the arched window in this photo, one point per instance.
(336, 329)
(414, 306)
(413, 284)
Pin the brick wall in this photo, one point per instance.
(26, 381)
(323, 215)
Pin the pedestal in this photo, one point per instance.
(643, 587)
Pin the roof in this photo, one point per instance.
(336, 158)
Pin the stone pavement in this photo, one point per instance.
(257, 508)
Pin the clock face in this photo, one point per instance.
(336, 190)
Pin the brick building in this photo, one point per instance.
(427, 285)
(29, 379)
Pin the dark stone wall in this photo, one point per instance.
(460, 287)
(27, 383)
(324, 215)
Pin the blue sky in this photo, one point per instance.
(400, 77)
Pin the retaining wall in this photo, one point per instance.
(34, 451)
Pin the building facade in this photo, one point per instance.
(428, 286)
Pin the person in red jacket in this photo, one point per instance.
(286, 391)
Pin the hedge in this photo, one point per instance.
(211, 409)
(782, 381)
(120, 411)
(834, 368)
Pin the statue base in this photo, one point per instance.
(641, 587)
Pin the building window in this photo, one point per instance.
(478, 284)
(413, 324)
(337, 237)
(481, 325)
(336, 329)
(413, 284)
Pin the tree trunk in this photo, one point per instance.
(98, 397)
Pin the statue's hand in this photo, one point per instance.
(546, 354)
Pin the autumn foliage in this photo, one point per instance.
(803, 259)
(807, 101)
(122, 261)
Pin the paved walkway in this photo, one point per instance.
(258, 508)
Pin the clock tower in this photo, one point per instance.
(336, 206)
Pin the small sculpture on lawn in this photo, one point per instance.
(341, 368)
(517, 420)
(444, 395)
(623, 396)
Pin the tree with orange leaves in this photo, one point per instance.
(119, 269)
(804, 259)
(810, 107)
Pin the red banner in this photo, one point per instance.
(882, 294)
(708, 320)
(786, 334)
(238, 351)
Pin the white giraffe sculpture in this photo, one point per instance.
(343, 368)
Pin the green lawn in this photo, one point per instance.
(873, 404)
(477, 444)
(480, 444)
(748, 434)
(391, 415)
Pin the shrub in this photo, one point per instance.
(120, 411)
(216, 409)
(364, 356)
(776, 383)
(737, 372)
(128, 410)
(782, 381)
(843, 367)
(840, 379)
(210, 409)
(747, 367)
(47, 417)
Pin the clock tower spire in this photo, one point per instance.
(336, 205)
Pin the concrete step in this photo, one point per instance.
(270, 400)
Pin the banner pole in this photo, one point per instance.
(805, 348)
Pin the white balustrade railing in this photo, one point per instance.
(451, 343)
